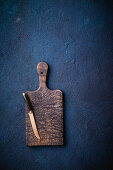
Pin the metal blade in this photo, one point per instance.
(31, 116)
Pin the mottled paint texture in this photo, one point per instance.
(75, 38)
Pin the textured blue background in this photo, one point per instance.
(75, 38)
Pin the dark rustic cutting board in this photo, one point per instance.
(47, 106)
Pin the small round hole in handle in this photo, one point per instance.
(42, 69)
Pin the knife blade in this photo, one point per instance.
(31, 116)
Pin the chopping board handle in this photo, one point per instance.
(42, 69)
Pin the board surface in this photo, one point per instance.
(47, 108)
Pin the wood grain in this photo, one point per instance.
(47, 107)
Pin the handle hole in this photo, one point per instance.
(41, 73)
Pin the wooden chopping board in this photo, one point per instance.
(47, 106)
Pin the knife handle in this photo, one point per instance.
(26, 98)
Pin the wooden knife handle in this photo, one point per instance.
(42, 69)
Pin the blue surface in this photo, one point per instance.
(75, 38)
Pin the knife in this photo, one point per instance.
(31, 116)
